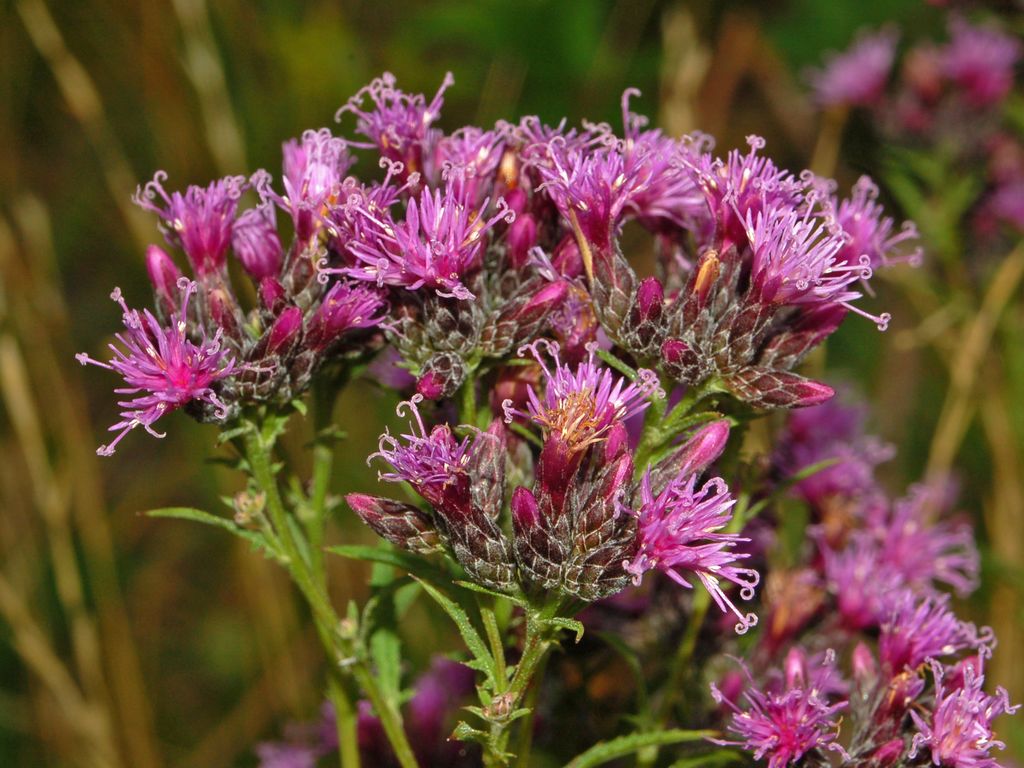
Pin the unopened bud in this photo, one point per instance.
(256, 243)
(164, 275)
(285, 331)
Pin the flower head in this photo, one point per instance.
(680, 532)
(580, 404)
(431, 461)
(436, 246)
(784, 726)
(346, 306)
(917, 629)
(869, 232)
(199, 222)
(856, 77)
(958, 732)
(163, 367)
(398, 124)
(980, 60)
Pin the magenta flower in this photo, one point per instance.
(580, 404)
(345, 307)
(856, 77)
(164, 365)
(199, 222)
(958, 731)
(925, 550)
(436, 246)
(478, 153)
(680, 532)
(314, 169)
(833, 432)
(862, 581)
(980, 60)
(785, 726)
(399, 124)
(431, 461)
(796, 261)
(917, 629)
(869, 232)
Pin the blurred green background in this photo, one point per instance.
(175, 643)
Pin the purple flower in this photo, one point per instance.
(431, 461)
(862, 580)
(680, 531)
(958, 732)
(917, 629)
(856, 77)
(314, 168)
(399, 124)
(785, 726)
(737, 189)
(256, 243)
(980, 60)
(868, 232)
(345, 306)
(436, 246)
(831, 431)
(164, 365)
(199, 221)
(580, 404)
(796, 261)
(478, 154)
(923, 549)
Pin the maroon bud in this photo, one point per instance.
(521, 237)
(676, 352)
(223, 309)
(285, 331)
(705, 446)
(888, 755)
(812, 393)
(543, 302)
(517, 200)
(865, 670)
(796, 668)
(566, 258)
(272, 295)
(525, 512)
(256, 243)
(401, 524)
(431, 385)
(650, 299)
(164, 275)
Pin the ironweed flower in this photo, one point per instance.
(868, 232)
(958, 731)
(256, 243)
(784, 726)
(680, 533)
(581, 403)
(164, 365)
(398, 124)
(857, 77)
(920, 628)
(980, 61)
(437, 245)
(200, 221)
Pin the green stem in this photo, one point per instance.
(346, 718)
(525, 741)
(323, 461)
(258, 450)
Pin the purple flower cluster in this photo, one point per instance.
(873, 573)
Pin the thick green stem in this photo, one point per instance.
(346, 719)
(323, 461)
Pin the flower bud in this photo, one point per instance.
(865, 670)
(401, 524)
(272, 295)
(256, 243)
(566, 258)
(164, 275)
(650, 299)
(284, 334)
(223, 309)
(542, 302)
(888, 755)
(521, 237)
(431, 385)
(796, 668)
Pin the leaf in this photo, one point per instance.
(718, 757)
(570, 624)
(405, 561)
(493, 593)
(614, 362)
(474, 642)
(257, 539)
(606, 751)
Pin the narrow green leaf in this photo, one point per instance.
(257, 539)
(606, 751)
(474, 643)
(485, 591)
(405, 561)
(570, 624)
